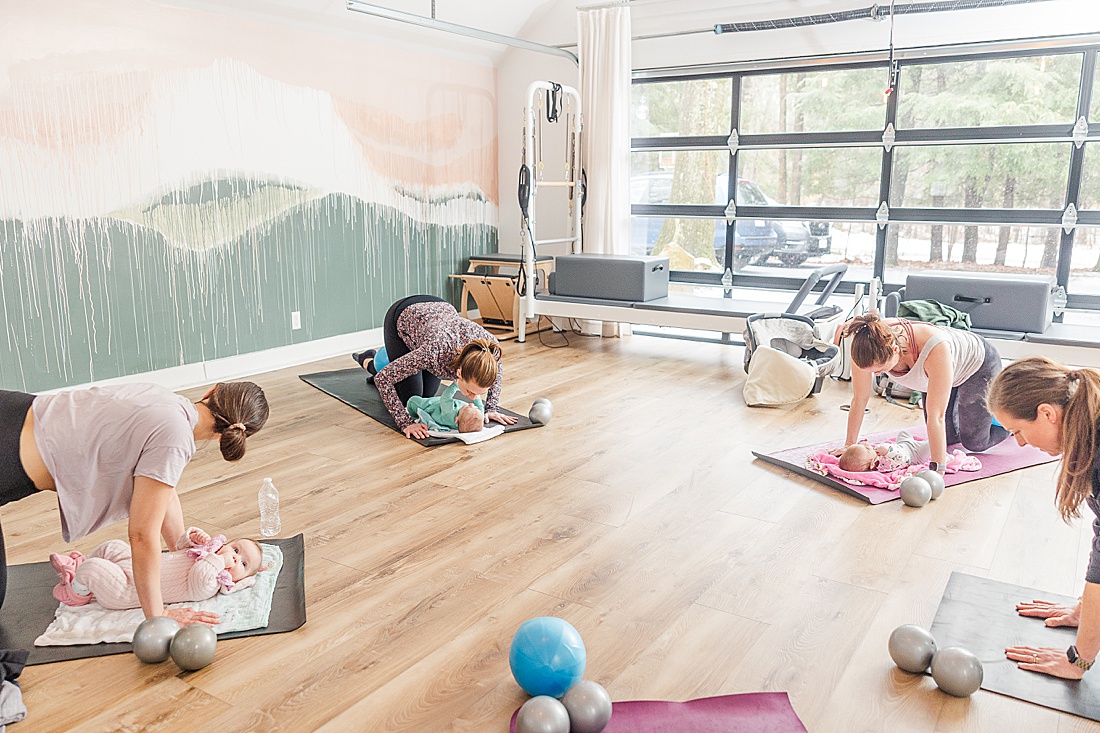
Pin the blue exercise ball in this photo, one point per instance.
(547, 656)
(381, 359)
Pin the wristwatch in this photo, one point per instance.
(1075, 659)
(939, 468)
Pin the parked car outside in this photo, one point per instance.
(755, 241)
(800, 240)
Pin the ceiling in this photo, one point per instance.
(552, 22)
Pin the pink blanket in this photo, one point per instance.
(827, 465)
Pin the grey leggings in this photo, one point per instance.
(968, 420)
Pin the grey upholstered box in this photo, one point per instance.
(611, 277)
(994, 301)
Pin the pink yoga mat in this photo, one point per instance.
(753, 712)
(1002, 458)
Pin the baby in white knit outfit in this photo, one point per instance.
(203, 567)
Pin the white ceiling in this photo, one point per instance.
(553, 22)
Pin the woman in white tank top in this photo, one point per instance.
(951, 367)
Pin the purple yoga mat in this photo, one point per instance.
(1002, 458)
(753, 712)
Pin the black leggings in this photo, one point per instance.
(421, 384)
(14, 481)
(968, 420)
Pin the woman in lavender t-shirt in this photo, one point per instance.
(113, 453)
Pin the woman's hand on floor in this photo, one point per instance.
(501, 418)
(185, 616)
(1056, 614)
(416, 430)
(1045, 660)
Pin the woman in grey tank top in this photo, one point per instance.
(117, 452)
(952, 370)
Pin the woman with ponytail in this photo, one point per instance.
(427, 341)
(1056, 409)
(113, 453)
(951, 367)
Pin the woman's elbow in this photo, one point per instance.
(142, 538)
(935, 419)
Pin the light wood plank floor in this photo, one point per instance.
(638, 514)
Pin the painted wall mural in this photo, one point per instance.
(174, 183)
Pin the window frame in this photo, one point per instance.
(1034, 133)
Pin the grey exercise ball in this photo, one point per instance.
(541, 412)
(153, 637)
(957, 671)
(915, 491)
(911, 648)
(934, 479)
(542, 714)
(589, 707)
(193, 646)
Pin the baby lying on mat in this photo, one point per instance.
(447, 413)
(204, 567)
(884, 457)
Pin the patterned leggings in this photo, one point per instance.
(421, 384)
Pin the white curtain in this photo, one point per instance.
(604, 48)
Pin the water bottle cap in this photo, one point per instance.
(267, 480)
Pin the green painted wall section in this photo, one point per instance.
(86, 300)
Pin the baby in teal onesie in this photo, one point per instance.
(446, 412)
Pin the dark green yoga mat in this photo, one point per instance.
(979, 614)
(29, 607)
(350, 387)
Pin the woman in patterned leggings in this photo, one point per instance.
(427, 341)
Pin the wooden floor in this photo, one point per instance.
(638, 514)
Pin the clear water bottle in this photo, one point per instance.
(269, 509)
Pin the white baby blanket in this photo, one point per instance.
(239, 611)
(469, 438)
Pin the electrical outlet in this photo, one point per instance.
(295, 320)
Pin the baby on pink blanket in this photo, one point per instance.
(886, 475)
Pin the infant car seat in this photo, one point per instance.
(785, 359)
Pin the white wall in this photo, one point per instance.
(517, 70)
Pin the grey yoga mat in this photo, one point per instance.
(350, 387)
(980, 615)
(29, 607)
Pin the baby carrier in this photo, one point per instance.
(785, 359)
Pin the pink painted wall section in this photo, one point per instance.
(147, 95)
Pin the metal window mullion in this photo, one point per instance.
(837, 139)
(698, 142)
(977, 217)
(979, 135)
(885, 177)
(807, 213)
(1076, 167)
(679, 211)
(731, 182)
(1084, 302)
